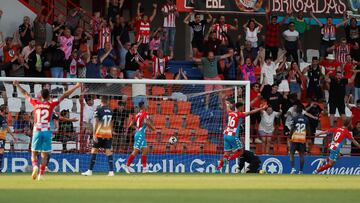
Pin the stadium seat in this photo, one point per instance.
(152, 137)
(184, 132)
(152, 109)
(114, 104)
(14, 104)
(159, 121)
(158, 91)
(28, 107)
(201, 139)
(185, 138)
(192, 148)
(201, 132)
(315, 150)
(210, 148)
(127, 90)
(183, 107)
(192, 121)
(167, 132)
(176, 148)
(66, 104)
(167, 107)
(77, 92)
(158, 148)
(71, 145)
(9, 89)
(37, 88)
(259, 149)
(56, 147)
(310, 53)
(280, 149)
(1, 101)
(176, 121)
(78, 106)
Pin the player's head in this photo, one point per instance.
(347, 124)
(141, 105)
(4, 109)
(104, 100)
(239, 106)
(269, 110)
(299, 108)
(45, 94)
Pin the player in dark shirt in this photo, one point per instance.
(299, 131)
(253, 161)
(103, 129)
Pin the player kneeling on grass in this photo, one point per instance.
(339, 138)
(300, 128)
(253, 161)
(141, 121)
(42, 133)
(103, 125)
(232, 141)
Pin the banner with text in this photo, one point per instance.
(20, 162)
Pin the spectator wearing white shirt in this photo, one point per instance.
(266, 127)
(251, 29)
(28, 49)
(292, 42)
(170, 13)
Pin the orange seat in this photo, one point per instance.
(158, 148)
(184, 132)
(280, 149)
(201, 139)
(193, 149)
(152, 109)
(201, 132)
(129, 104)
(167, 131)
(167, 107)
(183, 107)
(324, 122)
(159, 121)
(259, 149)
(315, 150)
(158, 91)
(114, 104)
(185, 139)
(152, 136)
(192, 121)
(127, 90)
(169, 75)
(176, 121)
(176, 149)
(210, 149)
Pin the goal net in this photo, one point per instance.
(192, 111)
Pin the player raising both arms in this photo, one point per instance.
(103, 125)
(231, 134)
(41, 140)
(339, 138)
(141, 122)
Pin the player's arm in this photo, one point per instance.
(311, 116)
(321, 133)
(69, 92)
(187, 18)
(255, 110)
(22, 91)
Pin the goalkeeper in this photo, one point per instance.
(253, 161)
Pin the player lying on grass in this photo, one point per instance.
(103, 125)
(250, 158)
(232, 141)
(42, 133)
(339, 138)
(141, 122)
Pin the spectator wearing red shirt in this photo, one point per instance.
(331, 65)
(143, 30)
(159, 64)
(221, 28)
(349, 66)
(342, 49)
(255, 97)
(355, 110)
(272, 34)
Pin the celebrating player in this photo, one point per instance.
(41, 140)
(4, 129)
(103, 126)
(231, 134)
(300, 128)
(141, 121)
(339, 138)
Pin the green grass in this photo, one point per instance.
(198, 188)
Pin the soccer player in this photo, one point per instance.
(339, 138)
(4, 129)
(103, 127)
(299, 129)
(231, 134)
(141, 122)
(42, 133)
(252, 159)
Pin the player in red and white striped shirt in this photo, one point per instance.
(170, 13)
(159, 63)
(222, 28)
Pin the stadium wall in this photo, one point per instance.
(73, 163)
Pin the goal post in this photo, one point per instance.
(193, 111)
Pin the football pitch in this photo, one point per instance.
(173, 188)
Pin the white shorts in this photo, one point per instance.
(284, 86)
